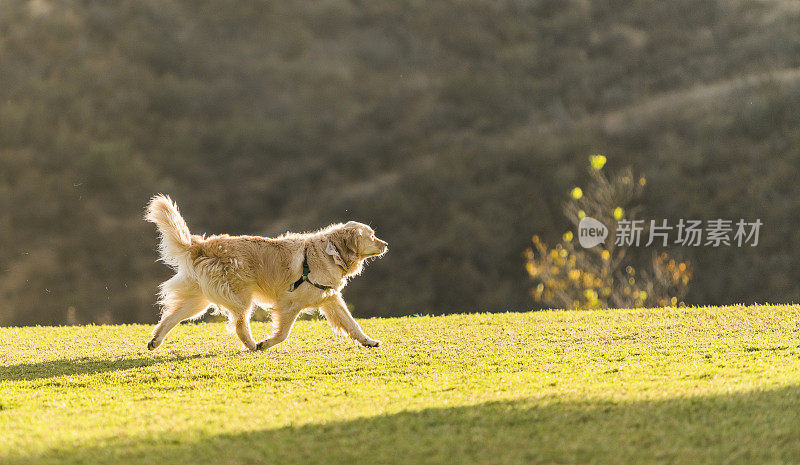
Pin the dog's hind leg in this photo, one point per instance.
(282, 322)
(242, 324)
(239, 308)
(342, 321)
(177, 307)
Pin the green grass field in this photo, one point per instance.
(699, 385)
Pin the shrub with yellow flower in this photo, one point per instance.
(568, 276)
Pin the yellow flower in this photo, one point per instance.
(576, 193)
(567, 236)
(597, 161)
(581, 214)
(618, 212)
(642, 181)
(574, 275)
(605, 255)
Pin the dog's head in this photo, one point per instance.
(352, 243)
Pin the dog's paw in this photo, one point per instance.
(371, 343)
(152, 345)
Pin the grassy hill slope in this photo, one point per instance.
(700, 385)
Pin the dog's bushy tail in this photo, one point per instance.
(175, 236)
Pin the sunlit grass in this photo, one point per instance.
(652, 385)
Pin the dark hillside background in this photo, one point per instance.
(456, 129)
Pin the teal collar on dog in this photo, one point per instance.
(304, 278)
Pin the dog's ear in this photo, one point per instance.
(330, 249)
(345, 241)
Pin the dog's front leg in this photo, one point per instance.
(282, 322)
(342, 321)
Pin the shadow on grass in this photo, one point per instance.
(755, 427)
(81, 366)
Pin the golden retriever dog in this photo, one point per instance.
(286, 275)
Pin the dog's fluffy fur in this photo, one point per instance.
(234, 272)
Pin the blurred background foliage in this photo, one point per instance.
(453, 128)
(619, 271)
